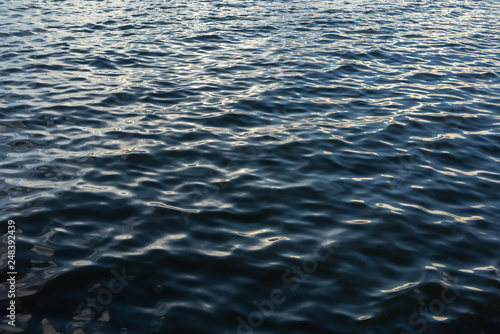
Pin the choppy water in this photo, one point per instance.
(252, 166)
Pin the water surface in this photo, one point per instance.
(252, 166)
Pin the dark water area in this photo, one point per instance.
(251, 166)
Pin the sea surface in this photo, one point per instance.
(251, 166)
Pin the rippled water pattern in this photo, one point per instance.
(211, 150)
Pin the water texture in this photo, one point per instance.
(251, 166)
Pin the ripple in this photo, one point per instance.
(214, 152)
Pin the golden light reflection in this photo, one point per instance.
(439, 212)
(359, 221)
(162, 243)
(390, 207)
(123, 237)
(401, 287)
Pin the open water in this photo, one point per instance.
(251, 166)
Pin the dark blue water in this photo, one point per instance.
(251, 166)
